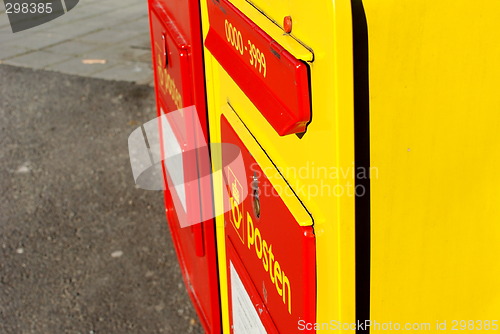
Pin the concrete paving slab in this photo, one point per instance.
(125, 53)
(120, 28)
(76, 66)
(121, 72)
(109, 36)
(71, 30)
(73, 48)
(37, 59)
(12, 51)
(36, 40)
(7, 36)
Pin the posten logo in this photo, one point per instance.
(251, 236)
(236, 202)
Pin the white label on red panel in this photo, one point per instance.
(174, 161)
(246, 320)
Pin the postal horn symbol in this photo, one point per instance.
(26, 14)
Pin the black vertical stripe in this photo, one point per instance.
(362, 162)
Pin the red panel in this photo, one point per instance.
(275, 81)
(172, 63)
(277, 254)
(179, 82)
(180, 22)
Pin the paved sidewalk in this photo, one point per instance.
(113, 34)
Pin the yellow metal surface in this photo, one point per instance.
(319, 167)
(274, 29)
(435, 121)
(272, 174)
(212, 90)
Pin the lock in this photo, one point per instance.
(255, 195)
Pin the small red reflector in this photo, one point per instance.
(287, 24)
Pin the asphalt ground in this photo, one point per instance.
(82, 250)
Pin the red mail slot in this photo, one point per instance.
(275, 81)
